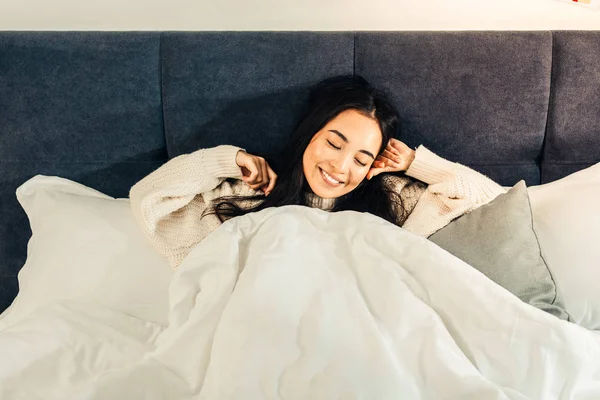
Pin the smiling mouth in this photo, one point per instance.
(329, 179)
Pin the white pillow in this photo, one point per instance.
(566, 219)
(86, 246)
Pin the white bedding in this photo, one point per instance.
(297, 303)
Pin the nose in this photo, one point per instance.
(342, 163)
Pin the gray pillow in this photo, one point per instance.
(498, 239)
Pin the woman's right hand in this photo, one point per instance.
(256, 172)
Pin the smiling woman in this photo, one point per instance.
(341, 156)
(335, 163)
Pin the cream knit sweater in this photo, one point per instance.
(170, 201)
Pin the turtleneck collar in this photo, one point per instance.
(315, 201)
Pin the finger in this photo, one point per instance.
(255, 185)
(398, 145)
(392, 149)
(388, 165)
(272, 180)
(389, 155)
(395, 162)
(374, 172)
(377, 171)
(391, 165)
(258, 177)
(264, 172)
(251, 179)
(379, 163)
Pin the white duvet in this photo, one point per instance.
(298, 303)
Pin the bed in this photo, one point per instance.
(91, 311)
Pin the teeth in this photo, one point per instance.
(329, 178)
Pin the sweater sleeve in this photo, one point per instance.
(165, 202)
(453, 189)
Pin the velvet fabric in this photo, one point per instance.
(573, 132)
(243, 88)
(478, 98)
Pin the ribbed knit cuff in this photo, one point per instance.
(220, 162)
(428, 167)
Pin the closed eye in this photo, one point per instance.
(333, 145)
(356, 160)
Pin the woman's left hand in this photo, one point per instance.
(396, 157)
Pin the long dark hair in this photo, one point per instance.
(326, 100)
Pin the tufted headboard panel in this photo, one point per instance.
(573, 131)
(243, 88)
(478, 98)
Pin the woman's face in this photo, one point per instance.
(339, 156)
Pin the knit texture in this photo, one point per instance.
(169, 202)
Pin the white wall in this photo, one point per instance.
(295, 15)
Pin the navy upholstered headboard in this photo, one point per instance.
(106, 108)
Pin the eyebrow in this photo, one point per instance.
(345, 139)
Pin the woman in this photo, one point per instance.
(342, 156)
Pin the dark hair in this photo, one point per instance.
(326, 100)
